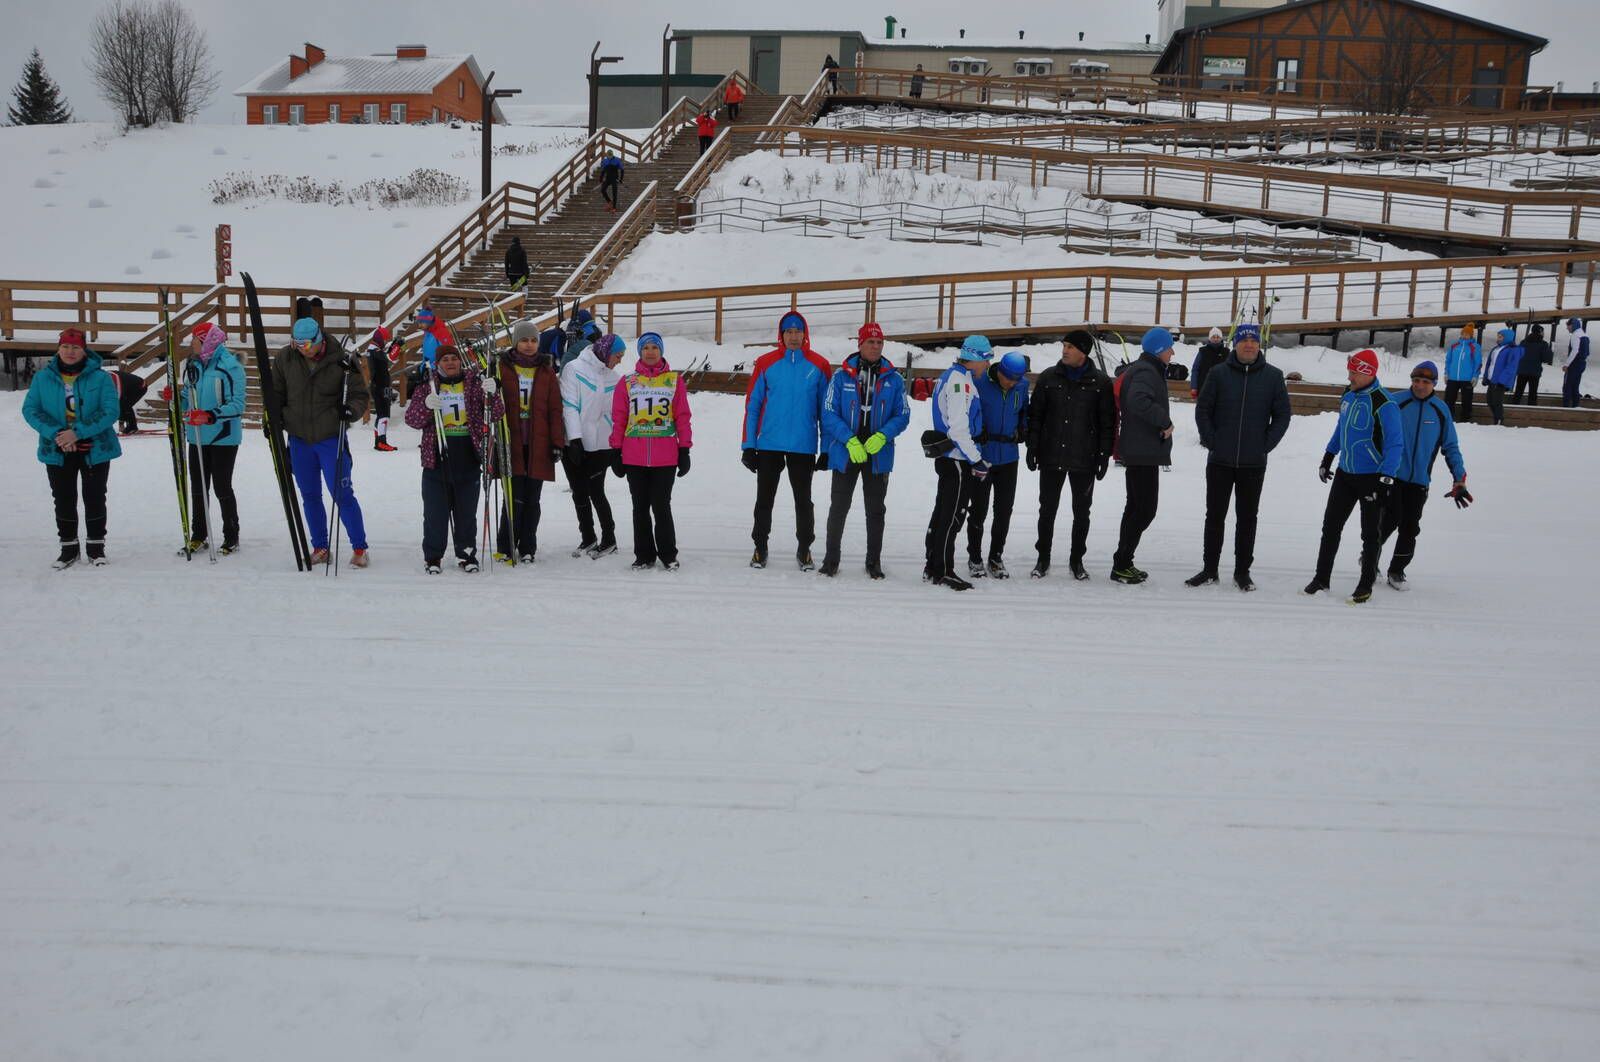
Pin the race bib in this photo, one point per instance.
(525, 389)
(453, 407)
(650, 406)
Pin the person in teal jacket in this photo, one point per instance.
(212, 404)
(1369, 441)
(864, 409)
(72, 403)
(1428, 431)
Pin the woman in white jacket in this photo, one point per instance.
(587, 383)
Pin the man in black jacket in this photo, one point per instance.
(1536, 354)
(1212, 354)
(1144, 445)
(1070, 427)
(1242, 414)
(516, 264)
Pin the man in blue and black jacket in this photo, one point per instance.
(1370, 444)
(1428, 430)
(1003, 394)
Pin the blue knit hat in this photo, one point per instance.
(790, 320)
(1249, 330)
(1156, 341)
(306, 331)
(1014, 365)
(975, 348)
(651, 337)
(1428, 369)
(424, 314)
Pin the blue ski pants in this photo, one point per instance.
(313, 465)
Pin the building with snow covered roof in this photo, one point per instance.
(406, 85)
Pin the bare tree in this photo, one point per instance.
(1405, 78)
(151, 61)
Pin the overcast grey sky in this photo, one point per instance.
(543, 48)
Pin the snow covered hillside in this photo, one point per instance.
(85, 202)
(581, 814)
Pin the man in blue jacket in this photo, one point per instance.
(959, 463)
(1370, 443)
(1428, 430)
(864, 411)
(1003, 394)
(1500, 372)
(782, 430)
(1461, 367)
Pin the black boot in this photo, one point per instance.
(1241, 579)
(874, 570)
(1203, 577)
(69, 556)
(830, 566)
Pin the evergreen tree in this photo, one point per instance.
(38, 98)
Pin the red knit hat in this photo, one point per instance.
(199, 331)
(1363, 361)
(870, 330)
(70, 337)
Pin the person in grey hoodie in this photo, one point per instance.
(1242, 414)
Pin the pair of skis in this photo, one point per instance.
(277, 443)
(176, 436)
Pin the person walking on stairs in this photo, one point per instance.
(611, 174)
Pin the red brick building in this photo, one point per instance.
(1361, 52)
(406, 86)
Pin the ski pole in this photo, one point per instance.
(332, 564)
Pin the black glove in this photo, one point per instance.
(1033, 461)
(1325, 470)
(683, 462)
(1462, 497)
(347, 414)
(980, 471)
(822, 461)
(751, 459)
(616, 464)
(1103, 467)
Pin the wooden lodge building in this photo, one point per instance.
(405, 86)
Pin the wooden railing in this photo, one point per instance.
(634, 225)
(151, 345)
(109, 313)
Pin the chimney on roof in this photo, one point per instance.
(1561, 86)
(963, 34)
(902, 33)
(297, 66)
(1147, 40)
(314, 55)
(1080, 36)
(888, 26)
(1019, 34)
(411, 51)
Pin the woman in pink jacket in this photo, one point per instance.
(650, 440)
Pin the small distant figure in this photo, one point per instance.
(611, 173)
(706, 129)
(831, 65)
(1536, 354)
(916, 83)
(516, 264)
(733, 96)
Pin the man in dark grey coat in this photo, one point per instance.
(1242, 414)
(1145, 444)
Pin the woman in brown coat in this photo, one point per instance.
(532, 386)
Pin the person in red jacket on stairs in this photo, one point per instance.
(705, 125)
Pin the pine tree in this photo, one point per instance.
(38, 98)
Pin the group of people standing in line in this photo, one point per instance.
(1512, 366)
(582, 412)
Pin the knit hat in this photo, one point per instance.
(1082, 339)
(1469, 330)
(1013, 365)
(524, 330)
(381, 335)
(1215, 334)
(975, 348)
(447, 350)
(1250, 330)
(788, 321)
(1363, 361)
(212, 338)
(870, 330)
(1426, 368)
(306, 331)
(70, 337)
(652, 337)
(608, 344)
(424, 315)
(1156, 341)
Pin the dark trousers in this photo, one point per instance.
(609, 189)
(1526, 386)
(733, 112)
(586, 474)
(874, 489)
(1243, 487)
(216, 467)
(1571, 392)
(525, 494)
(449, 505)
(1051, 480)
(949, 513)
(769, 470)
(64, 489)
(1403, 514)
(1144, 492)
(1497, 402)
(1459, 390)
(705, 142)
(1002, 483)
(1347, 492)
(654, 535)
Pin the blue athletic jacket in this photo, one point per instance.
(97, 409)
(218, 386)
(783, 409)
(1428, 429)
(1504, 362)
(1005, 417)
(1463, 361)
(841, 412)
(1369, 436)
(955, 392)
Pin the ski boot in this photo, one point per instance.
(1129, 576)
(1041, 568)
(68, 557)
(1241, 579)
(1397, 580)
(1203, 577)
(194, 547)
(1314, 587)
(586, 547)
(228, 549)
(606, 548)
(976, 570)
(642, 565)
(954, 582)
(469, 563)
(997, 569)
(381, 444)
(875, 570)
(758, 559)
(803, 558)
(1079, 572)
(526, 558)
(95, 552)
(432, 567)
(670, 565)
(830, 567)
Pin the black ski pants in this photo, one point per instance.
(1527, 392)
(1403, 514)
(609, 189)
(705, 142)
(770, 466)
(655, 537)
(1459, 391)
(1348, 492)
(1241, 486)
(64, 490)
(449, 507)
(874, 491)
(1001, 482)
(1138, 513)
(216, 468)
(526, 492)
(1051, 480)
(950, 505)
(586, 474)
(1497, 402)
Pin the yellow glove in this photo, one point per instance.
(875, 442)
(857, 452)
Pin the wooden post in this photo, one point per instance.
(1183, 303)
(1449, 279)
(717, 326)
(1487, 273)
(1338, 302)
(1029, 312)
(1521, 269)
(1305, 301)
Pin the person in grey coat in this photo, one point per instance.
(1242, 414)
(1145, 444)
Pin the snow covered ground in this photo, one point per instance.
(571, 812)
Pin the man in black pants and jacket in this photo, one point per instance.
(1243, 412)
(1144, 446)
(1071, 424)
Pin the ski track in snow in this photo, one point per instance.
(580, 813)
